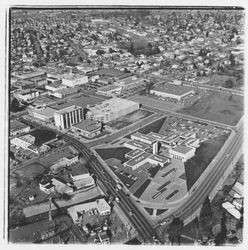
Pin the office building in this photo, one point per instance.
(69, 116)
(111, 109)
(73, 80)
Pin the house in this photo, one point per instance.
(46, 186)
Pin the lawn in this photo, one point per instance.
(142, 188)
(32, 170)
(153, 127)
(129, 119)
(118, 153)
(204, 155)
(223, 108)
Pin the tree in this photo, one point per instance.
(100, 52)
(228, 84)
(205, 219)
(174, 230)
(15, 105)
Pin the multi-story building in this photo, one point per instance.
(26, 95)
(111, 109)
(72, 80)
(69, 116)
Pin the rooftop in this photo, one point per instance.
(182, 149)
(134, 153)
(159, 158)
(88, 125)
(129, 80)
(16, 125)
(173, 89)
(78, 169)
(108, 88)
(156, 135)
(143, 136)
(138, 144)
(48, 112)
(138, 159)
(68, 109)
(110, 72)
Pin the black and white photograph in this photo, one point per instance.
(124, 125)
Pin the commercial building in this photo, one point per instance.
(76, 211)
(88, 128)
(55, 86)
(182, 153)
(111, 109)
(109, 90)
(134, 153)
(45, 114)
(143, 138)
(84, 183)
(74, 80)
(51, 80)
(62, 93)
(64, 162)
(26, 95)
(130, 82)
(69, 116)
(20, 143)
(61, 187)
(136, 145)
(17, 128)
(172, 91)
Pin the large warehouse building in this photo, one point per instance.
(111, 109)
(67, 117)
(172, 91)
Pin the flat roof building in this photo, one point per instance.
(182, 153)
(74, 80)
(134, 153)
(137, 161)
(136, 145)
(130, 82)
(110, 90)
(172, 91)
(111, 109)
(17, 127)
(88, 128)
(69, 116)
(143, 138)
(45, 114)
(158, 159)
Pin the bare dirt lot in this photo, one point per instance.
(223, 108)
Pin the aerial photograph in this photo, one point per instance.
(125, 125)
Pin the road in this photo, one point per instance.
(143, 227)
(210, 180)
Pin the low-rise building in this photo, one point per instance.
(79, 172)
(110, 90)
(55, 86)
(143, 138)
(88, 128)
(46, 186)
(172, 91)
(74, 80)
(45, 114)
(132, 144)
(134, 153)
(61, 187)
(20, 143)
(17, 127)
(26, 95)
(130, 82)
(62, 93)
(158, 160)
(64, 162)
(182, 153)
(137, 161)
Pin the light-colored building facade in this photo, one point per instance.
(17, 128)
(44, 114)
(109, 90)
(69, 116)
(72, 80)
(26, 95)
(111, 109)
(182, 153)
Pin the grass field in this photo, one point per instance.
(153, 127)
(142, 188)
(32, 170)
(217, 107)
(204, 155)
(118, 153)
(129, 119)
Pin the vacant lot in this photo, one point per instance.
(218, 107)
(204, 155)
(118, 153)
(31, 171)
